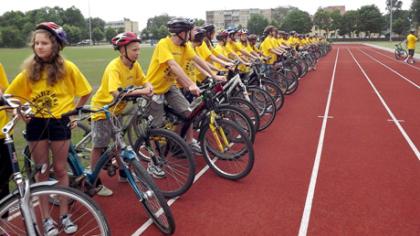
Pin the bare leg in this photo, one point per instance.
(60, 152)
(39, 153)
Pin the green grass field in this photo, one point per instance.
(90, 60)
(391, 45)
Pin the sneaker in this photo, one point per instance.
(68, 225)
(195, 147)
(155, 171)
(49, 227)
(104, 191)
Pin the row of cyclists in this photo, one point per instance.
(180, 62)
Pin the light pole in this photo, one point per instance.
(390, 21)
(90, 24)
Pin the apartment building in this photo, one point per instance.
(236, 17)
(126, 24)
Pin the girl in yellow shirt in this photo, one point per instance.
(51, 83)
(5, 163)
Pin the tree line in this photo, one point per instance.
(15, 26)
(367, 19)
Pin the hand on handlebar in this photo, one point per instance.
(194, 89)
(220, 78)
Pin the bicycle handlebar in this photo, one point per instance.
(121, 95)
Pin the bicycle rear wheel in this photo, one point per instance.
(82, 210)
(152, 199)
(236, 159)
(172, 156)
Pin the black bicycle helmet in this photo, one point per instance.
(178, 25)
(209, 28)
(199, 35)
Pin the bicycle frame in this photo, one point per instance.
(126, 154)
(206, 108)
(230, 86)
(23, 185)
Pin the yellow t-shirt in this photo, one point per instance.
(204, 53)
(189, 68)
(213, 51)
(4, 83)
(292, 41)
(116, 75)
(266, 45)
(233, 47)
(411, 41)
(51, 101)
(159, 73)
(222, 51)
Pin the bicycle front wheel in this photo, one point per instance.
(152, 199)
(83, 211)
(227, 149)
(172, 165)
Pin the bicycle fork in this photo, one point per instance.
(216, 130)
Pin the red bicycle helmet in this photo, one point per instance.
(124, 39)
(56, 30)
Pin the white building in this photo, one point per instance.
(126, 24)
(225, 18)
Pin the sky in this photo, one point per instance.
(141, 10)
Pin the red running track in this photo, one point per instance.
(368, 177)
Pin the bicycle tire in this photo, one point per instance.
(292, 82)
(248, 108)
(83, 210)
(225, 164)
(162, 216)
(239, 117)
(274, 90)
(264, 104)
(174, 157)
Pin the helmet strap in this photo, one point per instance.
(183, 40)
(126, 56)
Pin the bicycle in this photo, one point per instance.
(172, 165)
(399, 52)
(22, 211)
(252, 98)
(142, 184)
(226, 147)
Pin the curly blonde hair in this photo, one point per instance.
(34, 66)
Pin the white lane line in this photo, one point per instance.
(149, 222)
(401, 62)
(329, 117)
(311, 190)
(390, 120)
(389, 68)
(396, 122)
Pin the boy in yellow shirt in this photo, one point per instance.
(165, 70)
(411, 46)
(121, 72)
